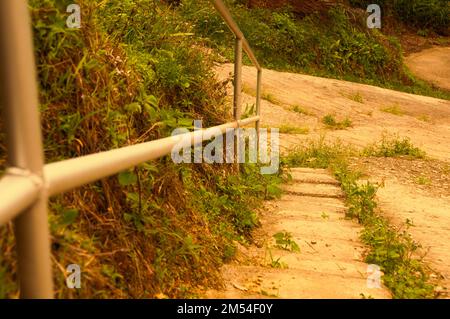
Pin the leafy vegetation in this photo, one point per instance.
(393, 109)
(392, 249)
(276, 262)
(284, 241)
(423, 180)
(288, 129)
(301, 110)
(131, 74)
(337, 44)
(330, 121)
(283, 42)
(394, 146)
(269, 97)
(430, 14)
(357, 97)
(317, 154)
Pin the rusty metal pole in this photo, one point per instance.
(237, 95)
(19, 101)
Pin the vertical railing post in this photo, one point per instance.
(19, 101)
(237, 103)
(258, 107)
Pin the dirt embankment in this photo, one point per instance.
(432, 65)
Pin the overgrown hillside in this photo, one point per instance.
(325, 38)
(133, 73)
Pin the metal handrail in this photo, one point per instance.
(226, 15)
(241, 44)
(27, 183)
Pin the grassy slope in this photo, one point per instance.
(334, 43)
(133, 73)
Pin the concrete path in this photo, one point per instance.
(330, 262)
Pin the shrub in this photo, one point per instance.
(131, 74)
(423, 14)
(394, 146)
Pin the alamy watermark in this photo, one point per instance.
(73, 280)
(374, 19)
(73, 21)
(374, 277)
(252, 148)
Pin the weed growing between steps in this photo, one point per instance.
(390, 248)
(132, 74)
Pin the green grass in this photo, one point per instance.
(331, 123)
(333, 44)
(424, 15)
(423, 180)
(394, 146)
(288, 129)
(270, 98)
(131, 74)
(248, 90)
(317, 154)
(301, 110)
(356, 97)
(394, 109)
(424, 118)
(390, 248)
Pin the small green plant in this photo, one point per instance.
(301, 110)
(423, 180)
(268, 294)
(423, 32)
(284, 241)
(270, 98)
(325, 215)
(288, 129)
(424, 118)
(393, 146)
(357, 97)
(248, 90)
(393, 109)
(330, 121)
(446, 169)
(276, 262)
(250, 110)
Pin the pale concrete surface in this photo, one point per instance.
(330, 263)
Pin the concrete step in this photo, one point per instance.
(314, 190)
(313, 177)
